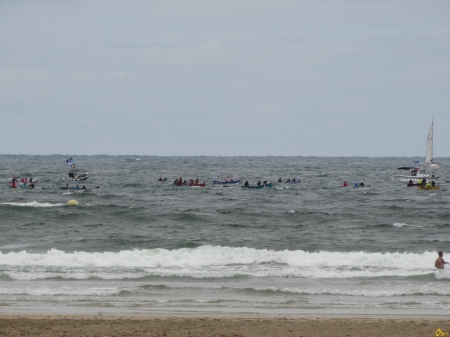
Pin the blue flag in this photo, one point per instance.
(416, 163)
(69, 161)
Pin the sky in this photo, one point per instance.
(224, 78)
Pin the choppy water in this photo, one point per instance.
(135, 243)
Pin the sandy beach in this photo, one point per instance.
(218, 326)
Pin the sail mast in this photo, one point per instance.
(429, 146)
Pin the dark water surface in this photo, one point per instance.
(138, 243)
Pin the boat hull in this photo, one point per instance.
(433, 188)
(268, 185)
(218, 182)
(190, 185)
(79, 178)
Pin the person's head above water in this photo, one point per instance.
(440, 254)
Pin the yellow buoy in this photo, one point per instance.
(72, 203)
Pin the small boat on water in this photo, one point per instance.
(190, 183)
(73, 176)
(289, 181)
(414, 174)
(227, 182)
(429, 188)
(268, 185)
(81, 177)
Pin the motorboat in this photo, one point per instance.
(413, 175)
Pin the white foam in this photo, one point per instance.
(52, 291)
(361, 292)
(228, 258)
(400, 224)
(31, 204)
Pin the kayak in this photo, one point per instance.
(189, 184)
(226, 182)
(78, 178)
(269, 185)
(70, 188)
(432, 188)
(291, 182)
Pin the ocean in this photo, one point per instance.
(138, 245)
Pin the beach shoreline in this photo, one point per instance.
(178, 325)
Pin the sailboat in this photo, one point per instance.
(429, 149)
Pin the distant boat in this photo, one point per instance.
(432, 188)
(414, 174)
(429, 149)
(227, 182)
(76, 177)
(268, 185)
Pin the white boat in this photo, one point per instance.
(414, 174)
(429, 149)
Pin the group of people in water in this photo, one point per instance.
(423, 182)
(227, 179)
(289, 180)
(259, 183)
(29, 183)
(191, 182)
(361, 184)
(24, 182)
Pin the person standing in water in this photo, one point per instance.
(439, 263)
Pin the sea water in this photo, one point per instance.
(136, 244)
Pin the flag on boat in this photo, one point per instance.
(69, 161)
(416, 163)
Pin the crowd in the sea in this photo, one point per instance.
(24, 182)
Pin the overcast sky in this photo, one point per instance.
(300, 78)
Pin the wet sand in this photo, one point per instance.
(217, 326)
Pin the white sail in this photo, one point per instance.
(429, 147)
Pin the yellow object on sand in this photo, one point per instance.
(72, 203)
